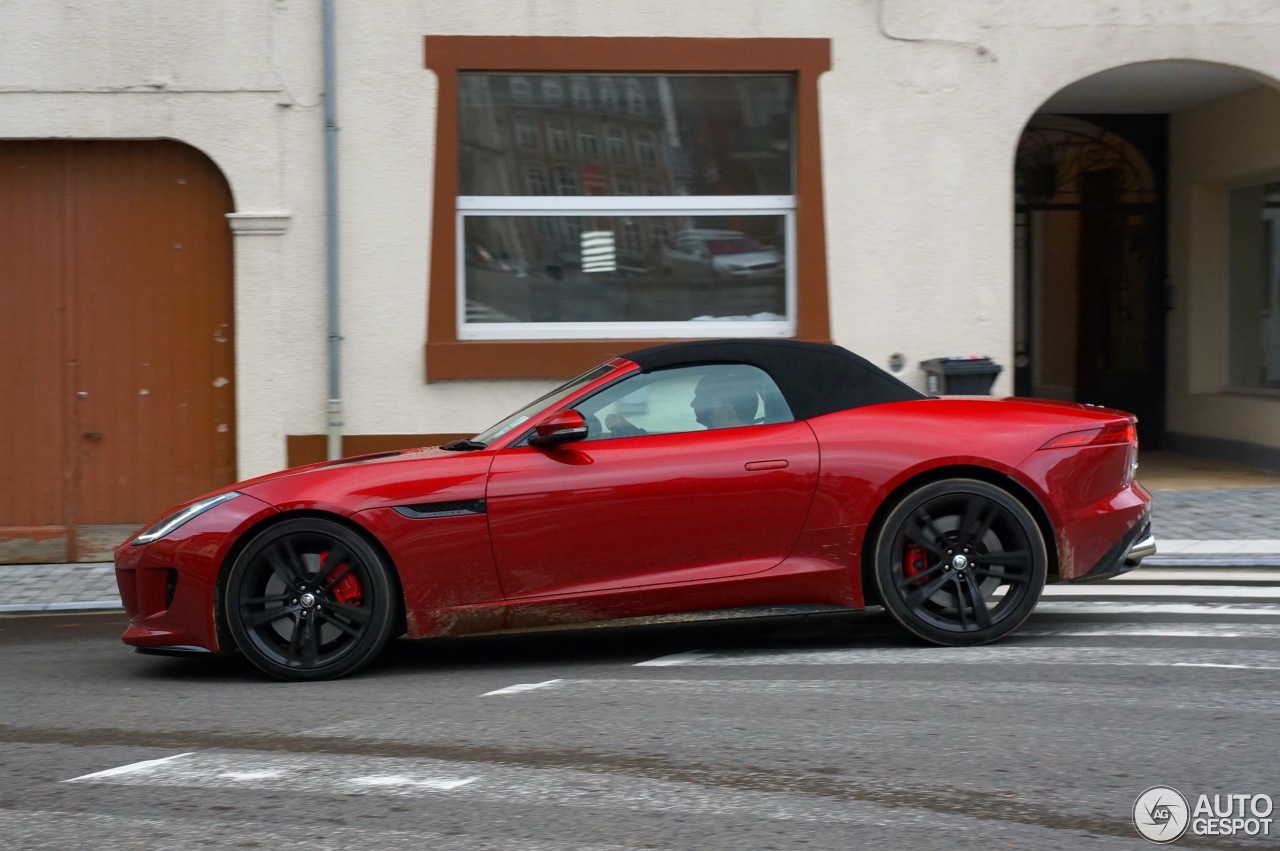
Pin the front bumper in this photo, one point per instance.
(169, 587)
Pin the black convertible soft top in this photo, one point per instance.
(815, 378)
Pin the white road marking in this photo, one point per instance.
(249, 775)
(145, 767)
(322, 774)
(521, 687)
(1203, 630)
(1246, 546)
(388, 780)
(1118, 607)
(1132, 590)
(1008, 652)
(674, 659)
(1190, 574)
(704, 687)
(225, 769)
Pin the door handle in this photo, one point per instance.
(776, 464)
(93, 435)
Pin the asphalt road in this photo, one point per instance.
(826, 731)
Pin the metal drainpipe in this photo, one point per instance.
(334, 449)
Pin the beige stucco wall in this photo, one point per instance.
(920, 115)
(1214, 148)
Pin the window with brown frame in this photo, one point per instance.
(727, 241)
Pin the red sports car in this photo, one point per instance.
(687, 477)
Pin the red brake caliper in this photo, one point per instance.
(914, 560)
(347, 590)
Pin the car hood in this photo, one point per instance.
(400, 477)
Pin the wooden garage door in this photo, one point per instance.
(116, 351)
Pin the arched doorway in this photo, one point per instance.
(1097, 192)
(116, 347)
(1090, 263)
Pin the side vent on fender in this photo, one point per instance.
(428, 510)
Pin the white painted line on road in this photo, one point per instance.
(511, 787)
(1245, 546)
(264, 774)
(1119, 607)
(1009, 652)
(389, 780)
(1108, 590)
(297, 772)
(522, 687)
(674, 659)
(145, 767)
(1207, 630)
(1183, 574)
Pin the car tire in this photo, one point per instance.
(310, 599)
(960, 562)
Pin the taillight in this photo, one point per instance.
(1108, 435)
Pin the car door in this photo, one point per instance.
(671, 501)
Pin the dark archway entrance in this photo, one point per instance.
(1090, 263)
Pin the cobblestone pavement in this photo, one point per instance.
(1244, 513)
(55, 587)
(1230, 527)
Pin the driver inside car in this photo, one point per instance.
(720, 400)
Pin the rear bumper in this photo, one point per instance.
(1127, 553)
(1142, 549)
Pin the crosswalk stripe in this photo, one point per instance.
(1199, 630)
(1130, 590)
(1191, 574)
(1123, 607)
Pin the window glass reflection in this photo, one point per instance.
(691, 134)
(634, 268)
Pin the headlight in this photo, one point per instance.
(173, 521)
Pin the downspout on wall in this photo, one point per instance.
(335, 423)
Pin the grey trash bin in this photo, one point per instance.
(960, 376)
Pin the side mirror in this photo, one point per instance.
(558, 428)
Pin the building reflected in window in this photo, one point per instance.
(683, 195)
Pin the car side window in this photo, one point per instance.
(685, 399)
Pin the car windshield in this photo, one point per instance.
(522, 416)
(738, 245)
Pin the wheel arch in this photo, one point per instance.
(225, 639)
(956, 471)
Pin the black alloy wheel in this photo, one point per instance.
(310, 599)
(960, 562)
